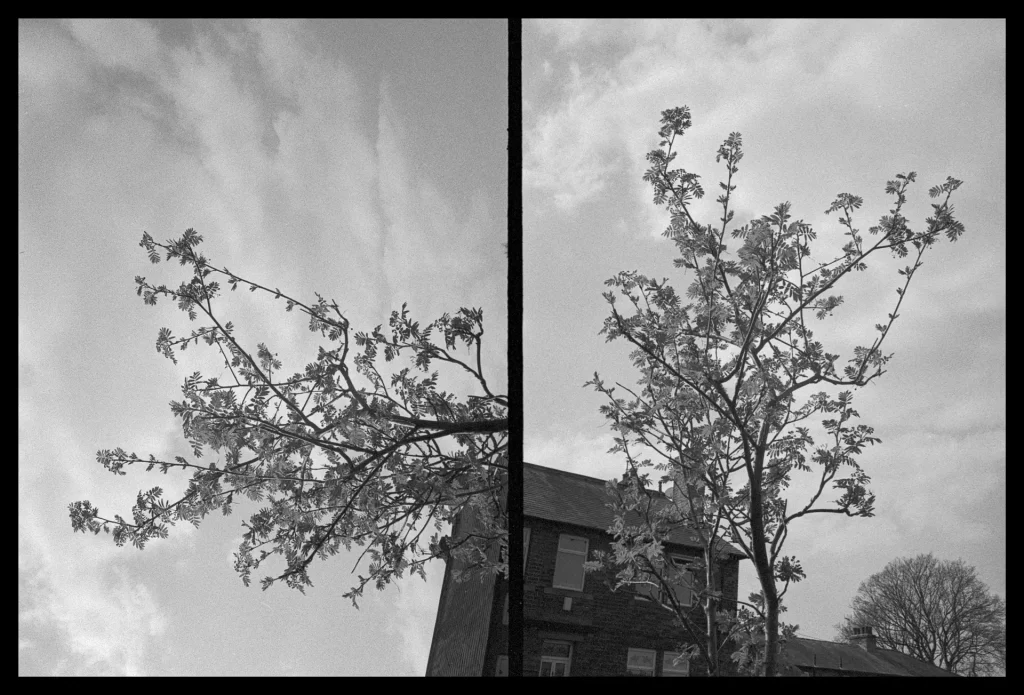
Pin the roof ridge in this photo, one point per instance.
(589, 478)
(850, 644)
(818, 639)
(564, 472)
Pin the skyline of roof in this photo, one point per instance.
(823, 654)
(573, 498)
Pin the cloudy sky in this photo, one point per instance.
(824, 107)
(366, 161)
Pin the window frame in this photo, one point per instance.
(669, 671)
(655, 592)
(681, 561)
(560, 552)
(650, 590)
(636, 651)
(553, 660)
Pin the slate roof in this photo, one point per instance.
(812, 653)
(571, 498)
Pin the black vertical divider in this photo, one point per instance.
(515, 347)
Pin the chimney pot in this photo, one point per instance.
(864, 638)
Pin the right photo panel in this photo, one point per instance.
(764, 362)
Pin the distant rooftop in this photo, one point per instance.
(838, 656)
(571, 498)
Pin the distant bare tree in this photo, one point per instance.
(937, 611)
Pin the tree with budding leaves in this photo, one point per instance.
(343, 453)
(716, 404)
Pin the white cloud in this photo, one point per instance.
(575, 452)
(734, 75)
(411, 617)
(96, 612)
(50, 66)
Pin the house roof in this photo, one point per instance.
(812, 653)
(571, 498)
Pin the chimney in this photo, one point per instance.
(864, 638)
(681, 491)
(624, 482)
(664, 479)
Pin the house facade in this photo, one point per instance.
(574, 623)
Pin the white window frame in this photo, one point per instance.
(501, 667)
(669, 670)
(567, 660)
(562, 552)
(633, 654)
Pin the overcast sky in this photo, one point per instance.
(363, 160)
(823, 107)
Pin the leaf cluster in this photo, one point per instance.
(343, 453)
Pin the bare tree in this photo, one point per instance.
(934, 610)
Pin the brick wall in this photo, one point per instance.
(601, 624)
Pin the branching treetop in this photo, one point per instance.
(342, 453)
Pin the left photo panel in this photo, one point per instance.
(263, 348)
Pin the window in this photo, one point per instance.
(674, 664)
(682, 587)
(572, 552)
(502, 667)
(650, 588)
(640, 662)
(555, 658)
(526, 546)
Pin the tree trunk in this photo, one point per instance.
(711, 611)
(765, 573)
(771, 635)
